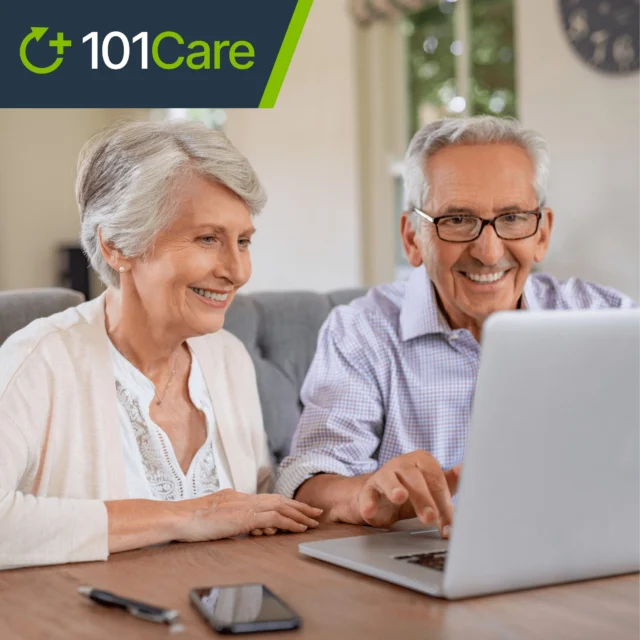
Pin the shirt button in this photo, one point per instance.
(453, 336)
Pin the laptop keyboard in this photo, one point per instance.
(434, 560)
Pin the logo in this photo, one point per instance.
(60, 44)
(145, 54)
(198, 54)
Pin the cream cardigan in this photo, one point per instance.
(60, 443)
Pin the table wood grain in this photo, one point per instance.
(334, 603)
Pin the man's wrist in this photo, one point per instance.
(337, 495)
(346, 511)
(346, 507)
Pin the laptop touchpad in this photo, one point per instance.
(434, 534)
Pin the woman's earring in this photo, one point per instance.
(121, 269)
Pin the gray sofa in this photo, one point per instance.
(280, 331)
(19, 308)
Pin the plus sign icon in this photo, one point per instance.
(59, 44)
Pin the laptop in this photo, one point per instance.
(550, 487)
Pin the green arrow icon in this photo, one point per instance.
(36, 34)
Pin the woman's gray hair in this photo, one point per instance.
(475, 130)
(129, 177)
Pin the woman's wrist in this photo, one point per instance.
(181, 520)
(133, 524)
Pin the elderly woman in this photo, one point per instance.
(134, 419)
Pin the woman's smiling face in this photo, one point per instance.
(198, 262)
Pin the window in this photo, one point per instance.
(461, 60)
(213, 118)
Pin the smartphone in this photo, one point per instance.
(244, 608)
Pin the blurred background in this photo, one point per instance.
(366, 75)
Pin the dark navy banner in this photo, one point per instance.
(147, 53)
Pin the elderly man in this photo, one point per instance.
(387, 400)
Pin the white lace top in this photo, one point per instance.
(152, 469)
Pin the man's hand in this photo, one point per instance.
(410, 485)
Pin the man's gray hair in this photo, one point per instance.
(129, 177)
(475, 130)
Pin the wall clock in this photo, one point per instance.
(604, 33)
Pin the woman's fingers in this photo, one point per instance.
(269, 531)
(296, 515)
(293, 509)
(274, 519)
(312, 512)
(264, 514)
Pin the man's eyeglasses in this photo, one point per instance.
(465, 228)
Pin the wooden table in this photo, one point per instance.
(333, 602)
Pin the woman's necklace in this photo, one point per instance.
(159, 401)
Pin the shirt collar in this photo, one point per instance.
(529, 300)
(420, 314)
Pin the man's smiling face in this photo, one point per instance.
(475, 279)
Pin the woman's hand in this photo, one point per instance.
(230, 513)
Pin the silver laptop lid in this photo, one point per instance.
(550, 490)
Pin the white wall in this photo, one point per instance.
(38, 155)
(592, 124)
(305, 152)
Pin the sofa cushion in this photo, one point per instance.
(280, 331)
(19, 308)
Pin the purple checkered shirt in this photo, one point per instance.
(390, 376)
